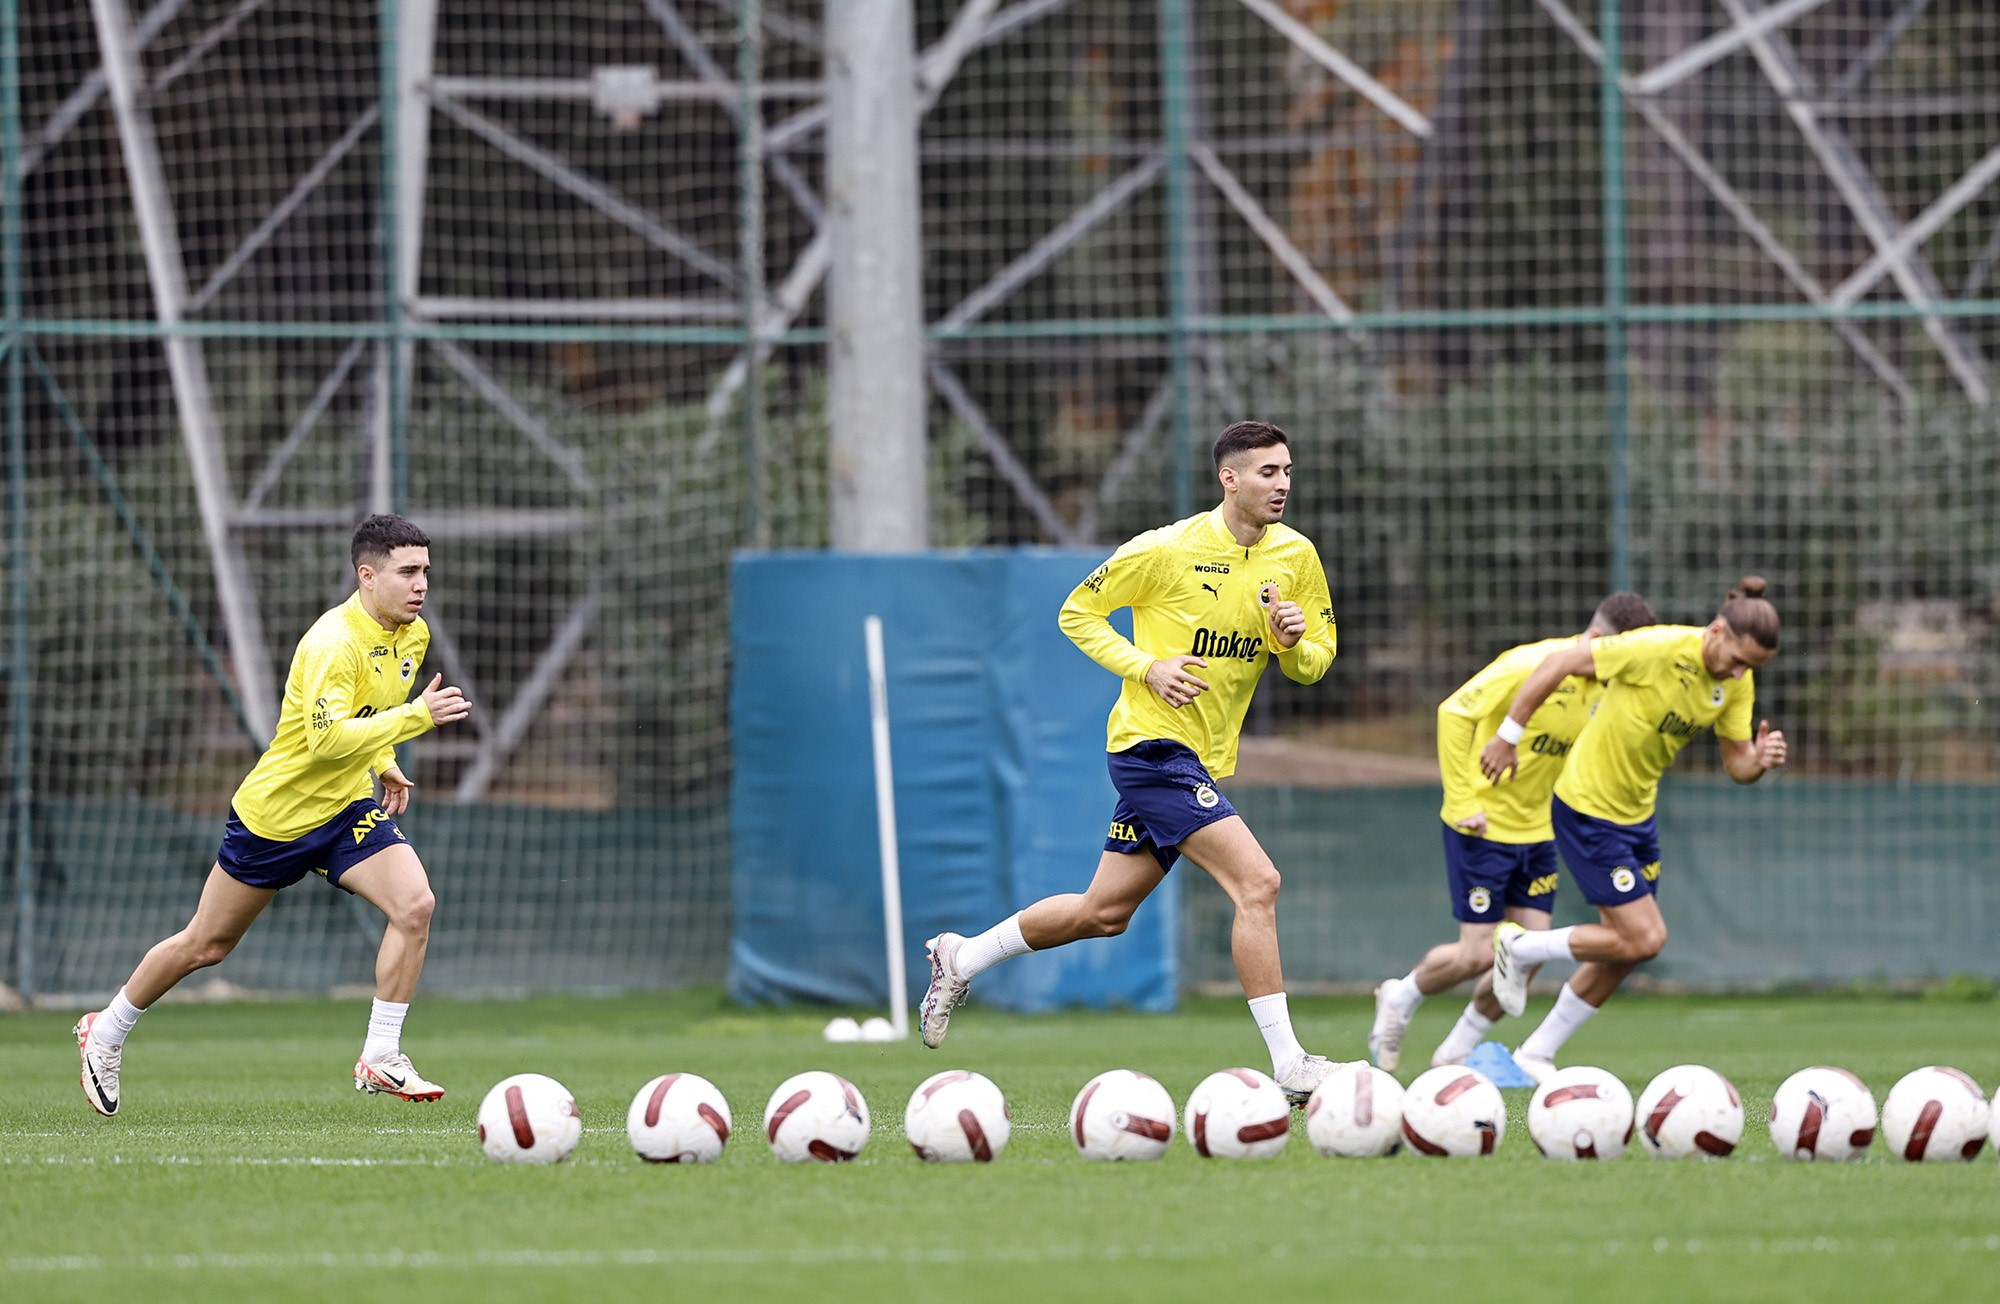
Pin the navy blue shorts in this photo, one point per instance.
(1487, 877)
(329, 850)
(1613, 864)
(1164, 794)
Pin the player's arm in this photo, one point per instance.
(1302, 630)
(1747, 756)
(1128, 578)
(1498, 760)
(1482, 699)
(333, 732)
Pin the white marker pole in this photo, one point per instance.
(885, 826)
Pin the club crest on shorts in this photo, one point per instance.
(1206, 797)
(1479, 900)
(1624, 879)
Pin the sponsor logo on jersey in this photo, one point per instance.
(1479, 900)
(1544, 885)
(1228, 646)
(1212, 589)
(1546, 745)
(1211, 567)
(1206, 797)
(1097, 577)
(1672, 725)
(1624, 879)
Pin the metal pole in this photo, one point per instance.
(1180, 274)
(750, 245)
(1611, 112)
(875, 345)
(22, 797)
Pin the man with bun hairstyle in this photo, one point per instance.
(1664, 686)
(1213, 598)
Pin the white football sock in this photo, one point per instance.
(1468, 1032)
(1403, 995)
(116, 1021)
(385, 1030)
(1535, 948)
(1571, 1013)
(1274, 1019)
(1002, 941)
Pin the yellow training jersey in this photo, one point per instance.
(346, 706)
(1517, 810)
(1195, 591)
(1658, 695)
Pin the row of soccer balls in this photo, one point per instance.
(1933, 1114)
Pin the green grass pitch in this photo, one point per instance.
(244, 1166)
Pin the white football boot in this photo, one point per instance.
(1303, 1075)
(1385, 1039)
(394, 1075)
(100, 1066)
(1510, 976)
(947, 988)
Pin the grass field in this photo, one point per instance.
(244, 1166)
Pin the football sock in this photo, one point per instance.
(116, 1021)
(1402, 994)
(385, 1030)
(978, 954)
(1471, 1028)
(1541, 947)
(1571, 1013)
(1274, 1019)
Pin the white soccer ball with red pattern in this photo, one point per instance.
(1690, 1112)
(1935, 1115)
(816, 1117)
(678, 1118)
(1822, 1114)
(1238, 1114)
(1455, 1111)
(1356, 1113)
(529, 1119)
(958, 1117)
(1122, 1114)
(1580, 1113)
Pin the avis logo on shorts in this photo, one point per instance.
(1206, 797)
(1480, 900)
(1624, 879)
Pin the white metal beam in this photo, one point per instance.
(498, 744)
(1701, 54)
(1942, 210)
(1315, 47)
(1272, 235)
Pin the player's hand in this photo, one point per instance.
(1288, 621)
(446, 705)
(395, 791)
(1171, 680)
(1769, 746)
(1473, 824)
(1498, 760)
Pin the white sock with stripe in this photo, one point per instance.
(1274, 1019)
(116, 1021)
(1571, 1013)
(1402, 994)
(385, 1030)
(1533, 948)
(1468, 1032)
(1002, 941)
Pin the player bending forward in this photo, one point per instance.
(1663, 687)
(1208, 595)
(1499, 853)
(308, 807)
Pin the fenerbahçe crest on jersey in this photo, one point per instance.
(1658, 697)
(1195, 591)
(1517, 810)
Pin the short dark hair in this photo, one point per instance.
(1242, 436)
(1622, 611)
(381, 534)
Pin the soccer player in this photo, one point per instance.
(1213, 598)
(308, 807)
(1499, 853)
(1663, 687)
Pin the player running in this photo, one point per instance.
(308, 807)
(1663, 687)
(1499, 853)
(1219, 594)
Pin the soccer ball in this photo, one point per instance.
(1580, 1113)
(1822, 1113)
(1122, 1114)
(1935, 1115)
(678, 1118)
(958, 1117)
(1357, 1113)
(816, 1116)
(1690, 1112)
(529, 1119)
(1238, 1114)
(1454, 1110)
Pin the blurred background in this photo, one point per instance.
(1553, 296)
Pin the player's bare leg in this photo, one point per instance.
(1444, 967)
(1233, 858)
(225, 912)
(1629, 935)
(1123, 880)
(393, 881)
